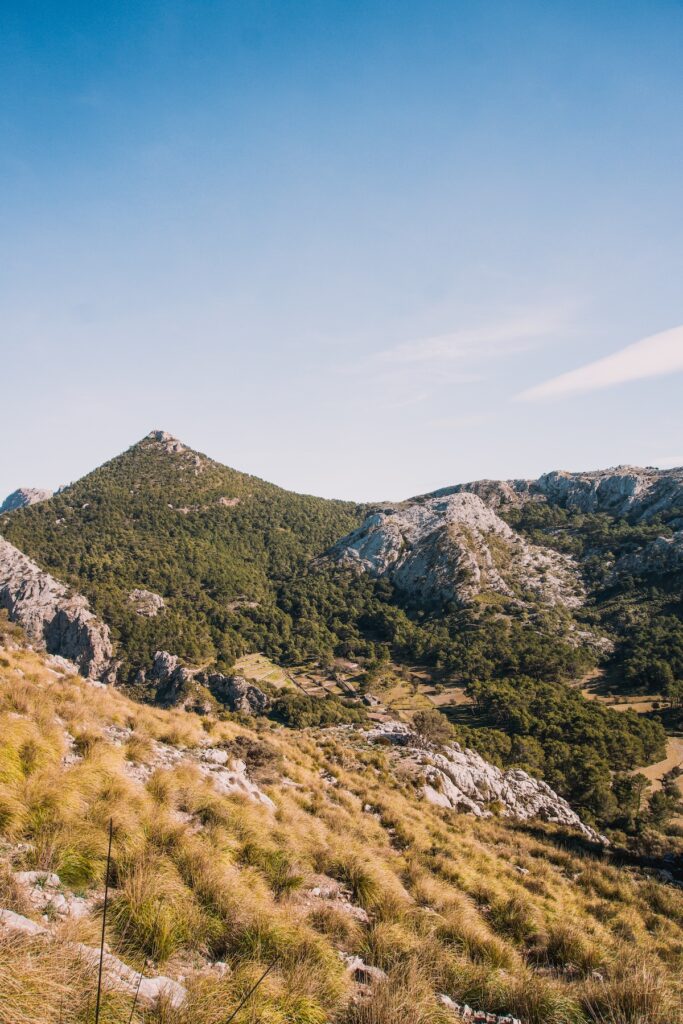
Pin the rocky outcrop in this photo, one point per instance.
(453, 547)
(660, 557)
(22, 497)
(115, 974)
(196, 691)
(626, 490)
(238, 695)
(176, 685)
(52, 616)
(48, 896)
(165, 442)
(146, 602)
(637, 492)
(227, 773)
(462, 780)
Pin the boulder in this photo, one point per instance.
(238, 694)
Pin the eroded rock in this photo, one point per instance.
(146, 602)
(453, 547)
(460, 779)
(52, 616)
(238, 694)
(24, 496)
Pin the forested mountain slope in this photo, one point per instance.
(161, 518)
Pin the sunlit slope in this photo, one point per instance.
(308, 853)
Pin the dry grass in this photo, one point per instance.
(479, 910)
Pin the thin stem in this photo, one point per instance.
(249, 993)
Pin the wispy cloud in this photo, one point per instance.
(655, 356)
(510, 335)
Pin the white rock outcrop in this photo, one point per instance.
(453, 547)
(460, 779)
(633, 490)
(146, 602)
(227, 774)
(22, 497)
(47, 895)
(637, 491)
(52, 617)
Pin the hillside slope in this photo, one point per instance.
(172, 523)
(313, 851)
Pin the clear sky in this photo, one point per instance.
(361, 249)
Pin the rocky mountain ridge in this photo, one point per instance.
(23, 497)
(634, 491)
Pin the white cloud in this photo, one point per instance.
(656, 356)
(511, 335)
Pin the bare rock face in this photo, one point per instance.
(165, 665)
(197, 691)
(661, 556)
(22, 497)
(453, 547)
(626, 490)
(462, 780)
(177, 685)
(52, 617)
(636, 491)
(146, 602)
(238, 695)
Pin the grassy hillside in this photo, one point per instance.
(498, 915)
(210, 541)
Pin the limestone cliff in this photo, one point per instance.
(452, 547)
(634, 491)
(52, 616)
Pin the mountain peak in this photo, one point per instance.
(167, 441)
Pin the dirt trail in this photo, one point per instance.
(674, 758)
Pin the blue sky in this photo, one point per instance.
(360, 249)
